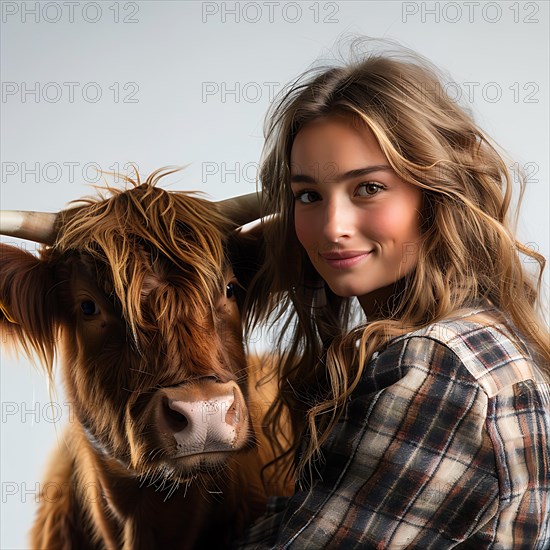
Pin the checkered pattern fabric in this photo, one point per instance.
(445, 444)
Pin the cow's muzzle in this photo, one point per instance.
(201, 417)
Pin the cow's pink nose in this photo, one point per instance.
(205, 416)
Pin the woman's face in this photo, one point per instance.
(356, 219)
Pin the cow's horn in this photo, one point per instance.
(243, 209)
(40, 226)
(33, 226)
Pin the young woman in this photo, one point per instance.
(425, 424)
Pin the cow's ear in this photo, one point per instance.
(27, 304)
(245, 248)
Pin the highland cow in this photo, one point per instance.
(137, 295)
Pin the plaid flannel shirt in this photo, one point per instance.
(445, 444)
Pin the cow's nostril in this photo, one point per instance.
(233, 416)
(176, 421)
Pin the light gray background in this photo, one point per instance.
(165, 71)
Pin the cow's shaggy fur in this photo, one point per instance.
(138, 297)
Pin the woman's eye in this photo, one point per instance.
(368, 189)
(89, 307)
(306, 197)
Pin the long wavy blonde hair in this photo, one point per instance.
(469, 253)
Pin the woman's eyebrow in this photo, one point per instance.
(358, 172)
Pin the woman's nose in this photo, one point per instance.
(338, 219)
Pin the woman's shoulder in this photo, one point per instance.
(480, 343)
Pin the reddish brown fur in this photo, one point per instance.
(154, 264)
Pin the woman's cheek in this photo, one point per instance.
(374, 225)
(388, 224)
(304, 229)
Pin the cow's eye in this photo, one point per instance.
(89, 307)
(230, 290)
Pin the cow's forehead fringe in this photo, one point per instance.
(179, 227)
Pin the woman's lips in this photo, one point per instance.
(343, 260)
